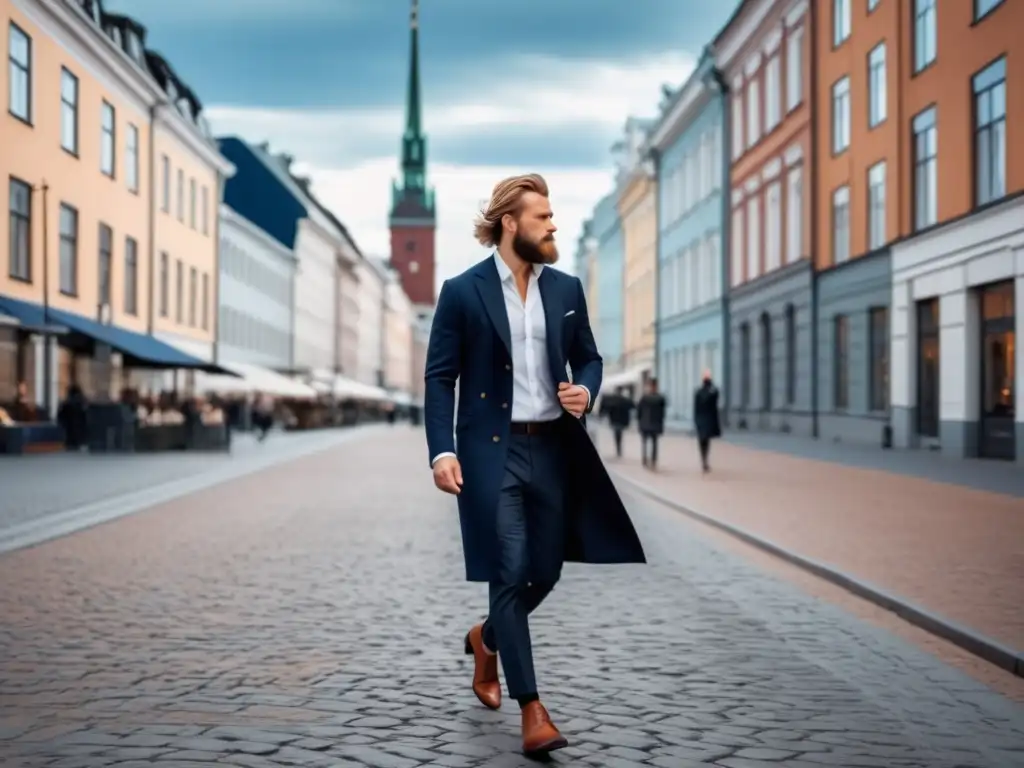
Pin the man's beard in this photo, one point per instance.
(542, 252)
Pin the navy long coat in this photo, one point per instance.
(470, 341)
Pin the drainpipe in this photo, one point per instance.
(725, 238)
(655, 157)
(809, 170)
(215, 313)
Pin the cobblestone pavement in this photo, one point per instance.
(312, 615)
(37, 486)
(956, 551)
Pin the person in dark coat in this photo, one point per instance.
(72, 417)
(705, 417)
(619, 409)
(532, 491)
(650, 417)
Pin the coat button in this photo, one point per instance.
(504, 405)
(495, 438)
(508, 367)
(483, 395)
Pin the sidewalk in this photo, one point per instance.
(954, 551)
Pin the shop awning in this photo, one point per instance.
(254, 378)
(139, 350)
(29, 316)
(350, 389)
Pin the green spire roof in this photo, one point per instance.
(412, 192)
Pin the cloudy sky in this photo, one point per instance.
(541, 85)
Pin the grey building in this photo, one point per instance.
(853, 349)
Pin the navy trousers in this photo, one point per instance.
(531, 519)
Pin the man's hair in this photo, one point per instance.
(507, 197)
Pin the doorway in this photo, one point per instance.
(928, 368)
(997, 439)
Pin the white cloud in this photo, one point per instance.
(544, 94)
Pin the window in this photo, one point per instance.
(773, 227)
(181, 195)
(737, 124)
(794, 215)
(772, 93)
(926, 149)
(841, 362)
(68, 250)
(106, 256)
(878, 331)
(68, 111)
(840, 115)
(20, 226)
(736, 244)
(192, 203)
(924, 33)
(179, 289)
(928, 367)
(205, 210)
(790, 354)
(131, 276)
(131, 158)
(19, 73)
(841, 21)
(841, 225)
(107, 130)
(753, 237)
(990, 133)
(193, 288)
(753, 113)
(165, 284)
(876, 206)
(745, 365)
(206, 301)
(165, 195)
(794, 68)
(983, 8)
(877, 105)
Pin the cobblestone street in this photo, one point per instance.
(312, 614)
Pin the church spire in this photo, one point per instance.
(413, 192)
(413, 126)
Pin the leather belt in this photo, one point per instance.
(534, 427)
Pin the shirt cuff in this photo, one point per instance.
(585, 389)
(433, 461)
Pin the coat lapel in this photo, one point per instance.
(553, 320)
(489, 286)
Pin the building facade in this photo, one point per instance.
(413, 219)
(687, 143)
(958, 269)
(857, 169)
(764, 55)
(609, 269)
(257, 275)
(90, 109)
(636, 202)
(399, 322)
(373, 276)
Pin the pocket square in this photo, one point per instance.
(570, 312)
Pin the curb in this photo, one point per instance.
(992, 651)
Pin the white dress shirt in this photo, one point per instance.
(534, 390)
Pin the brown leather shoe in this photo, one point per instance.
(486, 685)
(539, 735)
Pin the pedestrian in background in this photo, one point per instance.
(705, 418)
(650, 417)
(619, 409)
(536, 493)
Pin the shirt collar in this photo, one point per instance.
(505, 274)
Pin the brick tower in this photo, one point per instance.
(413, 216)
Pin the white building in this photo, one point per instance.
(373, 276)
(256, 282)
(399, 321)
(956, 373)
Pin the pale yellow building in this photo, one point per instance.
(640, 236)
(88, 113)
(399, 323)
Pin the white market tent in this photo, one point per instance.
(255, 378)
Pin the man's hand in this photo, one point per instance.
(448, 475)
(573, 398)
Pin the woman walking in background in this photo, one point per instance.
(705, 417)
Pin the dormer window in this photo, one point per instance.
(115, 35)
(185, 107)
(96, 13)
(172, 91)
(134, 47)
(204, 126)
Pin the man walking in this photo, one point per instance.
(532, 491)
(619, 410)
(705, 417)
(650, 417)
